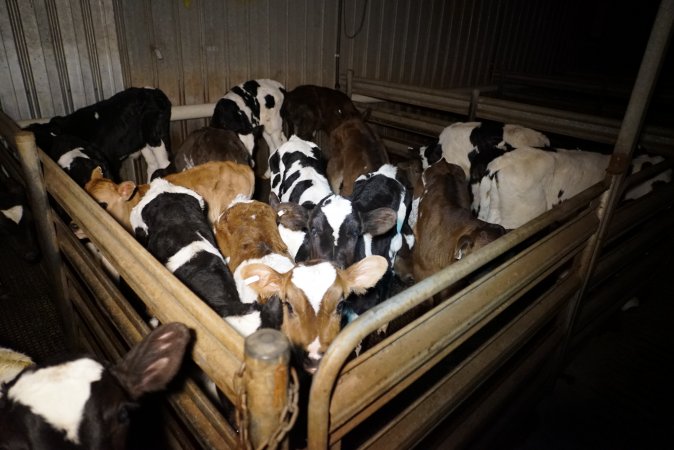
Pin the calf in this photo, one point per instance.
(78, 158)
(252, 108)
(641, 162)
(308, 109)
(473, 145)
(446, 231)
(355, 149)
(385, 188)
(218, 182)
(246, 233)
(298, 183)
(313, 295)
(85, 402)
(526, 182)
(136, 119)
(210, 144)
(170, 221)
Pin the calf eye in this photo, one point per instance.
(290, 308)
(104, 205)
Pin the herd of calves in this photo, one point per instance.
(336, 229)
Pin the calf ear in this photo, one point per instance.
(152, 363)
(378, 221)
(289, 214)
(262, 279)
(96, 174)
(362, 275)
(126, 190)
(463, 246)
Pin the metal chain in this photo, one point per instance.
(287, 418)
(242, 408)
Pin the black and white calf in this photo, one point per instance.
(170, 221)
(86, 403)
(524, 183)
(136, 119)
(78, 158)
(250, 109)
(298, 173)
(299, 182)
(473, 145)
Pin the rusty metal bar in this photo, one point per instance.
(39, 203)
(408, 427)
(266, 355)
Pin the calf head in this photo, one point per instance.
(312, 295)
(116, 199)
(430, 154)
(332, 230)
(85, 403)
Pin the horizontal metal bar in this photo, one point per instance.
(219, 348)
(584, 126)
(439, 401)
(451, 323)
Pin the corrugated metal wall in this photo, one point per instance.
(57, 55)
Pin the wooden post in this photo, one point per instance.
(266, 354)
(39, 203)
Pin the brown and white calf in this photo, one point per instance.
(246, 233)
(85, 402)
(355, 150)
(312, 295)
(446, 230)
(218, 182)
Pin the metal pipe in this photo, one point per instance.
(628, 135)
(338, 41)
(266, 355)
(39, 203)
(333, 361)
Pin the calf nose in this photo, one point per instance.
(310, 364)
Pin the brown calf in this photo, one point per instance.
(446, 230)
(355, 149)
(218, 182)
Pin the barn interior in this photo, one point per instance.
(559, 362)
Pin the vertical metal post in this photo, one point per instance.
(472, 108)
(624, 147)
(266, 380)
(349, 82)
(39, 203)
